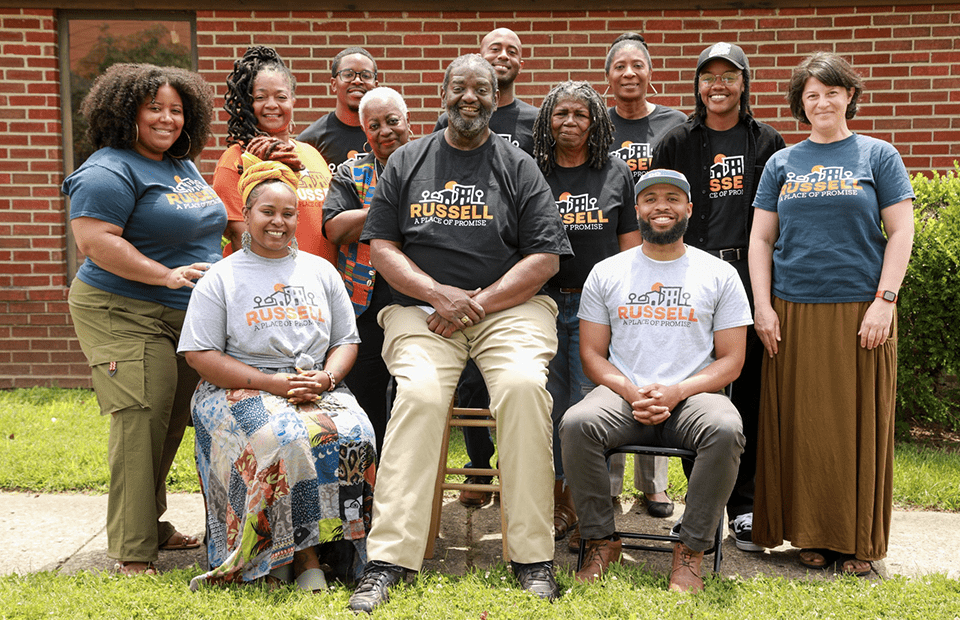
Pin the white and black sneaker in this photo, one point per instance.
(742, 530)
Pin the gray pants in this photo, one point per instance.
(707, 423)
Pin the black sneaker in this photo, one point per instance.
(538, 578)
(376, 580)
(742, 530)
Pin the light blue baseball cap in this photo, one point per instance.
(662, 175)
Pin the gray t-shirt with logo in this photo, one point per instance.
(270, 313)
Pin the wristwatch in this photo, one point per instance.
(887, 296)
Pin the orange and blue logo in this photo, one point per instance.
(821, 181)
(662, 306)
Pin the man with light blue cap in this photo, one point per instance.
(662, 332)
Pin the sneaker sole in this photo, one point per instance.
(746, 545)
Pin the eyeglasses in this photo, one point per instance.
(349, 75)
(729, 78)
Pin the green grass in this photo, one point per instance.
(626, 592)
(56, 440)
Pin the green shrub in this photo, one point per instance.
(929, 347)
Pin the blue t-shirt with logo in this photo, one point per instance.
(828, 198)
(165, 208)
(464, 217)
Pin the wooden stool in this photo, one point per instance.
(463, 417)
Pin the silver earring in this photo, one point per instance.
(293, 247)
(185, 153)
(654, 89)
(246, 240)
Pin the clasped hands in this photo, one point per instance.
(304, 387)
(454, 309)
(654, 403)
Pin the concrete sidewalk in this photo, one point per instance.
(66, 533)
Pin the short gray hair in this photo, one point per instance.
(383, 93)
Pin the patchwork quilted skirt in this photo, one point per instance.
(278, 477)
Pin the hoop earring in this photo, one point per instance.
(246, 240)
(654, 89)
(136, 129)
(366, 147)
(187, 152)
(293, 248)
(606, 90)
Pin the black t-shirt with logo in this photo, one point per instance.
(596, 207)
(335, 140)
(725, 188)
(635, 139)
(464, 217)
(512, 122)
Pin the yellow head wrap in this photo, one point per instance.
(256, 171)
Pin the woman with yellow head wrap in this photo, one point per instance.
(272, 333)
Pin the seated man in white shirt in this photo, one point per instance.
(662, 332)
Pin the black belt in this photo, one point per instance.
(731, 255)
(568, 291)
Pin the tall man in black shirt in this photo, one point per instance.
(465, 230)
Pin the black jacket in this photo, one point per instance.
(686, 148)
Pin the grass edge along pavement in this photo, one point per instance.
(625, 592)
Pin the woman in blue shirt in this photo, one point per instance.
(149, 226)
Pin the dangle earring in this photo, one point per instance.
(246, 240)
(293, 247)
(185, 153)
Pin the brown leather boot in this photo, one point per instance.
(685, 573)
(598, 556)
(564, 513)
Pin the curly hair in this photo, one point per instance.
(238, 102)
(830, 70)
(601, 128)
(114, 100)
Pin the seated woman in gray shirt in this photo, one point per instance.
(286, 455)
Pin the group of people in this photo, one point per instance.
(596, 277)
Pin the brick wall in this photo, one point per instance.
(908, 55)
(37, 342)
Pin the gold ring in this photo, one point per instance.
(464, 320)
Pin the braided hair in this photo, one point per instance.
(238, 102)
(601, 128)
(114, 100)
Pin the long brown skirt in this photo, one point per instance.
(825, 446)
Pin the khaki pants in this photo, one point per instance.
(146, 387)
(512, 348)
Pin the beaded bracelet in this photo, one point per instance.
(333, 380)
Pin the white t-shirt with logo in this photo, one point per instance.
(663, 314)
